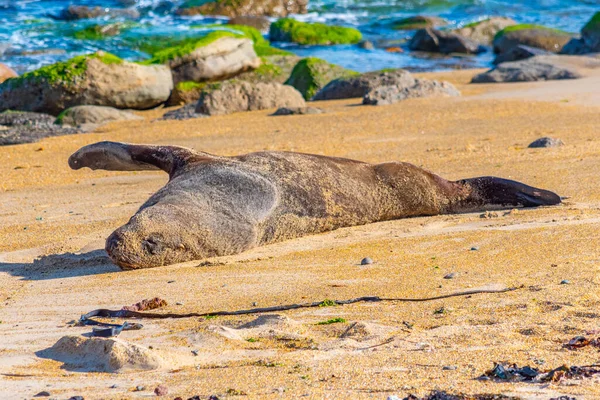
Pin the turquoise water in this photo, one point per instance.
(30, 37)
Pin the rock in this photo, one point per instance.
(214, 57)
(140, 388)
(484, 31)
(360, 85)
(575, 46)
(260, 23)
(366, 45)
(97, 79)
(25, 127)
(445, 42)
(546, 142)
(530, 35)
(98, 32)
(274, 68)
(290, 30)
(42, 394)
(76, 398)
(186, 92)
(366, 261)
(451, 275)
(74, 12)
(161, 390)
(449, 368)
(80, 115)
(418, 22)
(474, 248)
(538, 68)
(101, 355)
(6, 72)
(297, 111)
(565, 282)
(228, 8)
(389, 94)
(311, 74)
(186, 112)
(233, 96)
(520, 52)
(590, 34)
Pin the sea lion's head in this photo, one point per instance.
(155, 236)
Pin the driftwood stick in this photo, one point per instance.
(104, 313)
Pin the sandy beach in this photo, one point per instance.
(53, 223)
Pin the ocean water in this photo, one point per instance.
(30, 37)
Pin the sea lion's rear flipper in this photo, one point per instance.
(491, 191)
(114, 156)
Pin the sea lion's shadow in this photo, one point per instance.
(65, 265)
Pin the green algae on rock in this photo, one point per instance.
(275, 68)
(94, 79)
(185, 92)
(532, 35)
(262, 46)
(311, 74)
(290, 30)
(418, 22)
(591, 33)
(99, 32)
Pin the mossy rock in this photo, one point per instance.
(94, 79)
(590, 34)
(261, 45)
(99, 32)
(593, 24)
(65, 72)
(532, 35)
(484, 31)
(275, 68)
(185, 93)
(290, 30)
(311, 74)
(418, 22)
(237, 8)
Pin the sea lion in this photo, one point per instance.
(215, 206)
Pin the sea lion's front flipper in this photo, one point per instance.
(493, 191)
(114, 156)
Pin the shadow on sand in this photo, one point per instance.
(66, 265)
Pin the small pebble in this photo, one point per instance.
(195, 352)
(161, 390)
(565, 282)
(139, 388)
(43, 394)
(451, 275)
(170, 281)
(114, 386)
(393, 397)
(474, 248)
(76, 398)
(254, 304)
(449, 367)
(366, 261)
(178, 304)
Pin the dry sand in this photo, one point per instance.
(47, 210)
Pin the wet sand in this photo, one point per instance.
(48, 211)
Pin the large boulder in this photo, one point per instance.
(484, 31)
(539, 68)
(271, 8)
(18, 127)
(82, 115)
(214, 57)
(390, 94)
(290, 30)
(311, 74)
(102, 355)
(520, 52)
(272, 69)
(97, 79)
(530, 35)
(418, 22)
(445, 42)
(235, 96)
(75, 12)
(6, 72)
(359, 86)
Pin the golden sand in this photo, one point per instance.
(400, 348)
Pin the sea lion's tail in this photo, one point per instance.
(491, 191)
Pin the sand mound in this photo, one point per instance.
(102, 355)
(270, 321)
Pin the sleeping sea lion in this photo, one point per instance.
(215, 206)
